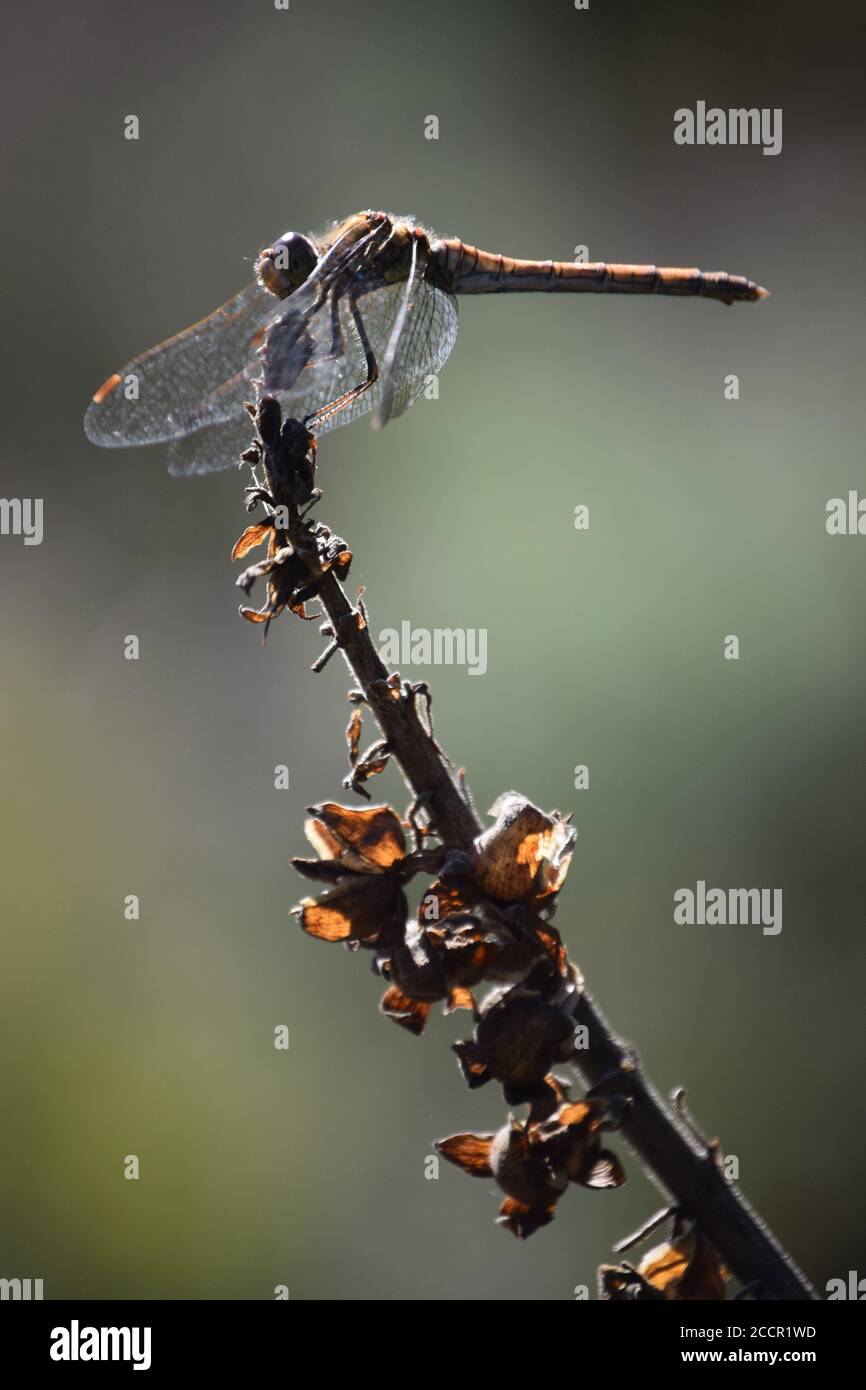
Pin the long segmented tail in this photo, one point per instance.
(466, 270)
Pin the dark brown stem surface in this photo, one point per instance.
(682, 1165)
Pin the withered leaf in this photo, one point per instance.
(371, 766)
(252, 536)
(353, 734)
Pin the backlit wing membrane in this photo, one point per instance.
(199, 377)
(425, 342)
(210, 449)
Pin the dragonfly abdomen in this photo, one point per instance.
(466, 270)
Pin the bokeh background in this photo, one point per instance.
(306, 1168)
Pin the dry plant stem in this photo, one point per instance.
(420, 760)
(684, 1170)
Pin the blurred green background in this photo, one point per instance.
(306, 1168)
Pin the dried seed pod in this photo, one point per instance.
(434, 963)
(534, 1163)
(685, 1269)
(416, 967)
(524, 856)
(522, 1168)
(505, 1156)
(518, 1039)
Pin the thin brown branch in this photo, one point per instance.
(686, 1171)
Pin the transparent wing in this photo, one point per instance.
(422, 344)
(304, 371)
(292, 337)
(210, 449)
(390, 367)
(197, 378)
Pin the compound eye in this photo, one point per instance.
(281, 268)
(296, 255)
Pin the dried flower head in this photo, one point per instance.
(290, 583)
(518, 1039)
(434, 963)
(533, 1162)
(361, 852)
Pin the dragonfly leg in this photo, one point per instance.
(376, 242)
(314, 421)
(337, 343)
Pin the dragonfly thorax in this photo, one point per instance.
(283, 267)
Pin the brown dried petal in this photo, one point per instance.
(550, 1095)
(460, 999)
(355, 909)
(342, 564)
(685, 1269)
(471, 1152)
(522, 1220)
(571, 1142)
(370, 839)
(548, 937)
(602, 1172)
(411, 1014)
(321, 870)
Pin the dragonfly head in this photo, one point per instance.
(281, 268)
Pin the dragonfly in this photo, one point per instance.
(358, 319)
